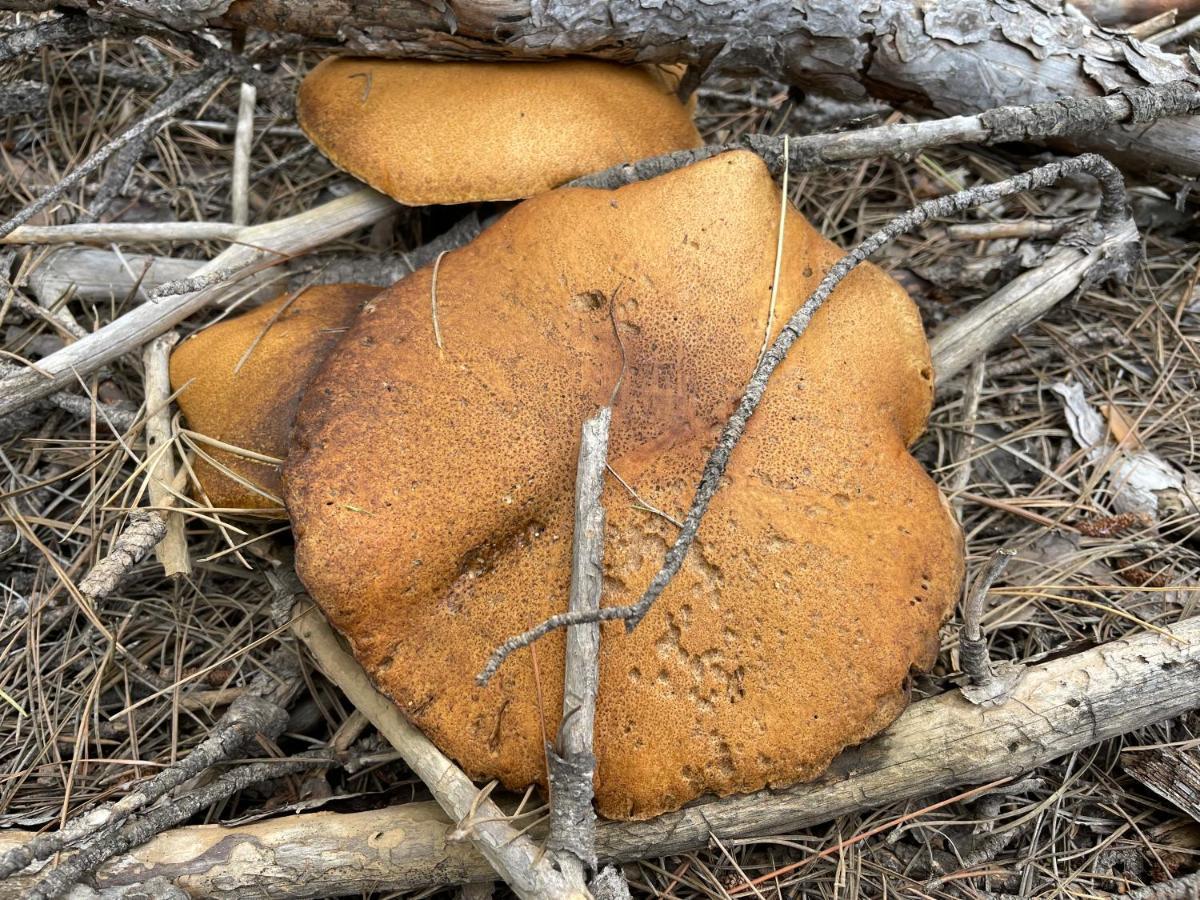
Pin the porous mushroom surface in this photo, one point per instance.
(431, 490)
(240, 382)
(445, 132)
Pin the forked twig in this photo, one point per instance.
(1113, 213)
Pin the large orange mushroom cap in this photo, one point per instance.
(240, 382)
(431, 490)
(445, 132)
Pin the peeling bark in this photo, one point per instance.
(950, 58)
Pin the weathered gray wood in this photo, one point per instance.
(1022, 301)
(101, 275)
(936, 745)
(956, 58)
(572, 762)
(1172, 773)
(263, 246)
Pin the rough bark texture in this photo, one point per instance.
(936, 745)
(951, 58)
(1170, 772)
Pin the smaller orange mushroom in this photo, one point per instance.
(240, 382)
(441, 132)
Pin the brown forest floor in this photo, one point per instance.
(89, 721)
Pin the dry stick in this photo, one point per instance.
(139, 829)
(939, 744)
(86, 274)
(242, 141)
(141, 535)
(1004, 124)
(966, 444)
(1113, 213)
(1018, 228)
(93, 162)
(172, 551)
(572, 763)
(250, 714)
(515, 858)
(260, 244)
(988, 685)
(192, 283)
(1028, 297)
(123, 233)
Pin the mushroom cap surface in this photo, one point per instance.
(240, 383)
(445, 132)
(431, 490)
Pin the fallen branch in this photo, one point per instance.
(260, 710)
(172, 550)
(936, 745)
(1028, 297)
(101, 275)
(513, 856)
(572, 763)
(894, 49)
(141, 535)
(260, 246)
(1112, 216)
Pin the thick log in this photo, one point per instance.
(950, 58)
(936, 745)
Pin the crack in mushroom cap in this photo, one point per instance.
(431, 491)
(252, 403)
(445, 132)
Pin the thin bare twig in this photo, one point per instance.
(172, 551)
(242, 142)
(572, 763)
(811, 153)
(1112, 214)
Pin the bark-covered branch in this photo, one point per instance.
(957, 58)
